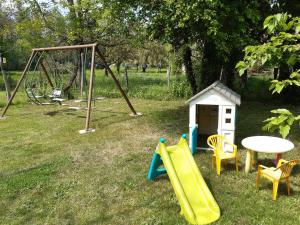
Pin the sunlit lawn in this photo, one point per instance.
(50, 174)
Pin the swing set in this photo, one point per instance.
(45, 74)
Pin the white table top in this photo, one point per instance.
(267, 144)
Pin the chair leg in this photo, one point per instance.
(275, 188)
(237, 164)
(257, 181)
(218, 165)
(288, 185)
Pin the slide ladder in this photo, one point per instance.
(196, 201)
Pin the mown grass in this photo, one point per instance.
(49, 174)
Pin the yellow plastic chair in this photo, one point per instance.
(281, 172)
(217, 142)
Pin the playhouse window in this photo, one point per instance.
(227, 120)
(228, 111)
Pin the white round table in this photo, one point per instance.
(265, 144)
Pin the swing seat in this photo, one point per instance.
(56, 93)
(56, 96)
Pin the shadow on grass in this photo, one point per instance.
(71, 112)
(106, 121)
(296, 170)
(230, 166)
(111, 111)
(172, 121)
(56, 112)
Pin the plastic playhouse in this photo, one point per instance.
(212, 111)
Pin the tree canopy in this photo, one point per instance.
(207, 37)
(281, 49)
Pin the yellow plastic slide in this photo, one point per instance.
(197, 203)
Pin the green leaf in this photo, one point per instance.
(292, 60)
(267, 21)
(264, 59)
(266, 127)
(296, 82)
(294, 74)
(278, 87)
(270, 119)
(297, 29)
(290, 121)
(278, 16)
(297, 117)
(241, 67)
(281, 111)
(272, 129)
(273, 85)
(279, 120)
(284, 130)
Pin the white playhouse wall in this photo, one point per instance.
(226, 113)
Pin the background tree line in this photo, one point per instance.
(207, 37)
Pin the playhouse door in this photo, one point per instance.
(228, 117)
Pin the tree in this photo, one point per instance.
(209, 26)
(5, 77)
(290, 6)
(281, 48)
(150, 53)
(78, 22)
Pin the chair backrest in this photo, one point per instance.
(216, 142)
(286, 168)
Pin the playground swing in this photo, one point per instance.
(36, 96)
(37, 89)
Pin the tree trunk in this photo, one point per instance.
(211, 65)
(105, 72)
(83, 80)
(275, 73)
(6, 84)
(77, 24)
(243, 80)
(126, 78)
(168, 75)
(144, 67)
(284, 72)
(159, 67)
(290, 93)
(187, 61)
(118, 65)
(222, 77)
(229, 72)
(72, 77)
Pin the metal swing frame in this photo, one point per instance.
(95, 49)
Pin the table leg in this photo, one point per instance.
(248, 161)
(255, 159)
(278, 157)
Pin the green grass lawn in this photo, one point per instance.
(50, 174)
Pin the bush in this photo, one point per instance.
(180, 89)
